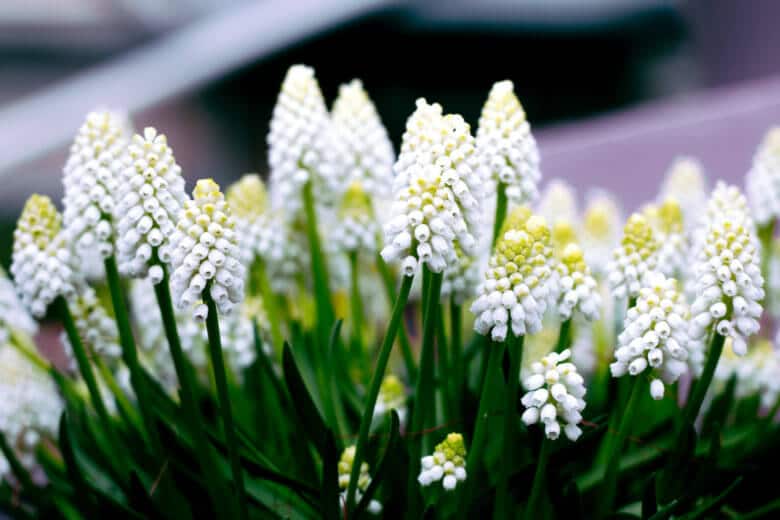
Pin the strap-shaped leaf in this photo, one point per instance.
(382, 467)
(303, 404)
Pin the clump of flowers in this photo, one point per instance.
(600, 230)
(686, 184)
(578, 289)
(447, 464)
(668, 225)
(437, 192)
(654, 336)
(508, 149)
(248, 200)
(95, 326)
(150, 197)
(634, 258)
(392, 396)
(364, 479)
(205, 254)
(763, 179)
(517, 284)
(41, 263)
(555, 396)
(356, 229)
(729, 284)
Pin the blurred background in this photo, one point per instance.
(614, 89)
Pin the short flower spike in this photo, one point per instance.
(763, 179)
(555, 396)
(636, 256)
(447, 464)
(686, 183)
(364, 479)
(578, 290)
(205, 254)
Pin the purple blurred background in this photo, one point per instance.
(615, 89)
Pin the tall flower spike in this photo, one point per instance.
(686, 183)
(518, 282)
(300, 139)
(355, 228)
(368, 153)
(506, 146)
(668, 225)
(636, 256)
(729, 284)
(41, 261)
(763, 179)
(204, 253)
(437, 192)
(654, 336)
(555, 396)
(248, 201)
(151, 195)
(447, 464)
(364, 479)
(92, 176)
(600, 229)
(577, 288)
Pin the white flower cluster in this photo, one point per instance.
(301, 142)
(507, 147)
(96, 328)
(668, 227)
(364, 479)
(204, 253)
(577, 289)
(600, 230)
(558, 201)
(30, 406)
(392, 396)
(636, 256)
(13, 315)
(368, 153)
(729, 284)
(437, 192)
(447, 464)
(151, 195)
(41, 263)
(763, 179)
(555, 395)
(518, 282)
(248, 200)
(654, 336)
(757, 373)
(91, 179)
(462, 278)
(355, 229)
(686, 183)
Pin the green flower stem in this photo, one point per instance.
(503, 500)
(129, 352)
(373, 389)
(609, 484)
(765, 234)
(457, 363)
(356, 309)
(121, 398)
(188, 393)
(693, 405)
(444, 366)
(26, 348)
(474, 459)
(85, 367)
(225, 408)
(501, 204)
(403, 338)
(532, 511)
(564, 336)
(271, 305)
(325, 313)
(17, 467)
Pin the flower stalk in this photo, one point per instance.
(515, 351)
(540, 477)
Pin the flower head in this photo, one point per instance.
(41, 261)
(555, 395)
(600, 230)
(364, 479)
(437, 192)
(462, 278)
(634, 258)
(355, 228)
(448, 463)
(95, 327)
(578, 289)
(248, 200)
(518, 282)
(558, 201)
(368, 153)
(392, 396)
(205, 254)
(763, 179)
(92, 176)
(654, 336)
(686, 183)
(729, 284)
(13, 315)
(668, 225)
(151, 195)
(507, 148)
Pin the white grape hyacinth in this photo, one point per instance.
(729, 284)
(763, 179)
(96, 328)
(506, 145)
(655, 336)
(447, 463)
(686, 183)
(13, 315)
(518, 282)
(577, 289)
(367, 151)
(438, 193)
(355, 229)
(364, 480)
(555, 396)
(151, 195)
(633, 259)
(41, 262)
(204, 253)
(601, 223)
(92, 176)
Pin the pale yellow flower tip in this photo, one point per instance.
(248, 197)
(38, 224)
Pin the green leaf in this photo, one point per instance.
(721, 406)
(649, 504)
(310, 418)
(141, 500)
(382, 467)
(671, 481)
(329, 491)
(706, 510)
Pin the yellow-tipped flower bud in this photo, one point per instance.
(447, 463)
